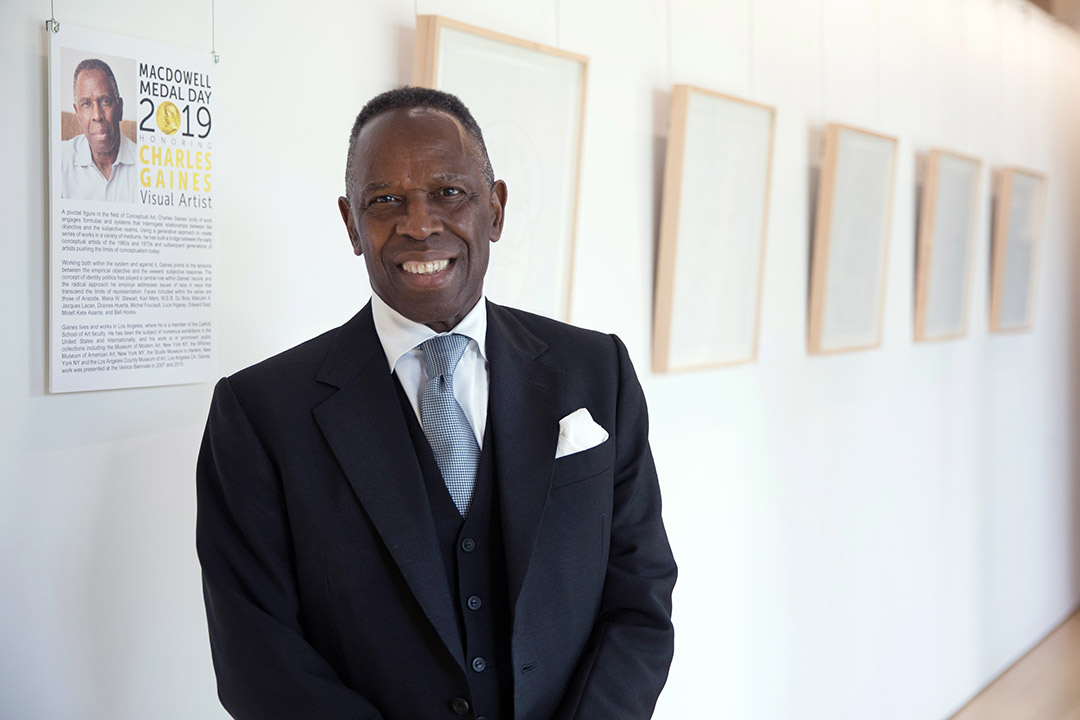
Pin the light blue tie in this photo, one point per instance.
(444, 422)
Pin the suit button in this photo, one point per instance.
(468, 544)
(460, 706)
(474, 603)
(478, 664)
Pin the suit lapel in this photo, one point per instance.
(523, 411)
(363, 424)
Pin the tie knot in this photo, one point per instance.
(443, 352)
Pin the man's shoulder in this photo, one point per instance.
(307, 355)
(546, 328)
(300, 365)
(69, 148)
(561, 343)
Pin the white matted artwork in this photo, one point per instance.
(946, 246)
(1017, 230)
(529, 100)
(712, 231)
(851, 240)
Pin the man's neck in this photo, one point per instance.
(104, 163)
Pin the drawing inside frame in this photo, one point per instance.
(1018, 219)
(713, 225)
(851, 240)
(946, 245)
(529, 100)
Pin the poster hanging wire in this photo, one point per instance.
(877, 63)
(670, 72)
(925, 84)
(750, 48)
(558, 23)
(1029, 101)
(821, 61)
(213, 33)
(52, 24)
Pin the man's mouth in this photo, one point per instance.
(424, 268)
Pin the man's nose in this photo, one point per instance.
(417, 219)
(95, 110)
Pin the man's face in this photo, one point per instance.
(99, 111)
(422, 215)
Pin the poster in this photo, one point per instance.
(132, 165)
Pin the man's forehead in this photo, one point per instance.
(91, 74)
(415, 126)
(431, 142)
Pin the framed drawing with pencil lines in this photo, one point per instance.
(946, 246)
(851, 240)
(530, 102)
(713, 224)
(1018, 218)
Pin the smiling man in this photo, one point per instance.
(100, 164)
(444, 507)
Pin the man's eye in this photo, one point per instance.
(106, 102)
(382, 199)
(450, 192)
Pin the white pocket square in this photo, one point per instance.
(577, 432)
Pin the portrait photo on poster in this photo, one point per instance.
(99, 157)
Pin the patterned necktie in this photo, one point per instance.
(444, 422)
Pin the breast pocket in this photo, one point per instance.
(583, 465)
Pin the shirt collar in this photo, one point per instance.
(126, 156)
(399, 335)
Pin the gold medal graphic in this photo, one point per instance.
(168, 118)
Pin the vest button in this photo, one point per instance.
(478, 664)
(474, 603)
(460, 706)
(468, 544)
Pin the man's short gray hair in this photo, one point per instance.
(94, 64)
(410, 98)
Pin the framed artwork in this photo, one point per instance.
(529, 100)
(851, 240)
(713, 221)
(1018, 217)
(946, 246)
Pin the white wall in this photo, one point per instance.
(867, 535)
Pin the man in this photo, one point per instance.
(100, 164)
(385, 533)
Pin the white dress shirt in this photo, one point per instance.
(401, 338)
(80, 178)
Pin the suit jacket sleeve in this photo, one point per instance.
(625, 663)
(265, 667)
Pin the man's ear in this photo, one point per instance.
(350, 224)
(498, 209)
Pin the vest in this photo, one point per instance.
(475, 562)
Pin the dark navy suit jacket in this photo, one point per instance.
(325, 590)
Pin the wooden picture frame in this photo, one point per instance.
(946, 245)
(1018, 219)
(714, 219)
(529, 100)
(851, 241)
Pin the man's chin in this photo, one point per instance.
(103, 145)
(439, 316)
